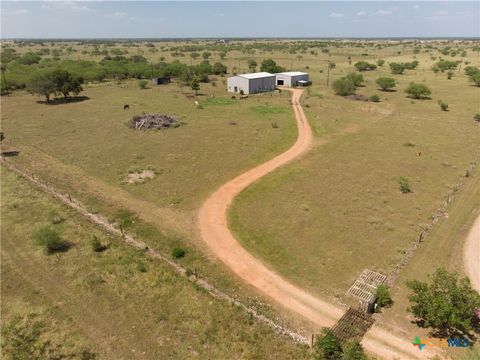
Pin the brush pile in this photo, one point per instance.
(153, 121)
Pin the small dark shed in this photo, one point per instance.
(161, 80)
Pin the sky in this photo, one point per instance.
(225, 19)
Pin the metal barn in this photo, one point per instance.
(292, 78)
(251, 83)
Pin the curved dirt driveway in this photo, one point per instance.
(471, 254)
(214, 230)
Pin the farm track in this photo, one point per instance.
(213, 225)
(471, 254)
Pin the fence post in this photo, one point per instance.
(312, 341)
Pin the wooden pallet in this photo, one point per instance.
(353, 325)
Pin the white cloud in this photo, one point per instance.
(441, 13)
(361, 13)
(64, 5)
(117, 15)
(20, 12)
(336, 15)
(382, 12)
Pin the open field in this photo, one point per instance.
(117, 304)
(318, 221)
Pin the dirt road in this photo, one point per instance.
(471, 254)
(214, 230)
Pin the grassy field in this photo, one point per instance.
(320, 220)
(340, 204)
(117, 304)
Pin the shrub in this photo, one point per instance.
(365, 66)
(353, 351)
(355, 78)
(443, 105)
(449, 74)
(344, 86)
(418, 91)
(274, 124)
(383, 296)
(50, 240)
(327, 346)
(404, 185)
(97, 245)
(380, 62)
(386, 83)
(142, 84)
(178, 253)
(374, 98)
(141, 267)
(476, 117)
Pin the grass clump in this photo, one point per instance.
(97, 245)
(50, 240)
(404, 185)
(178, 253)
(443, 105)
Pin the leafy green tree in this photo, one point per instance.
(445, 302)
(41, 83)
(327, 346)
(194, 84)
(397, 68)
(271, 66)
(418, 91)
(365, 66)
(219, 68)
(194, 55)
(386, 83)
(353, 351)
(65, 83)
(355, 78)
(252, 65)
(475, 78)
(344, 86)
(29, 58)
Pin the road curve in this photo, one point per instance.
(471, 254)
(213, 225)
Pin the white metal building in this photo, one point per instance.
(251, 83)
(292, 78)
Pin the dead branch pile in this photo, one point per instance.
(153, 121)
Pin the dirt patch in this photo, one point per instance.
(140, 177)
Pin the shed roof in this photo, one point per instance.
(256, 75)
(292, 73)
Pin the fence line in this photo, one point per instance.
(439, 213)
(140, 245)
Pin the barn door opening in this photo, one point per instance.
(279, 82)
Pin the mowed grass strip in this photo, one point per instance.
(324, 218)
(116, 303)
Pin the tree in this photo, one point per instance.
(386, 83)
(222, 55)
(365, 66)
(331, 65)
(445, 302)
(476, 78)
(194, 84)
(353, 351)
(194, 55)
(206, 55)
(42, 84)
(271, 66)
(380, 62)
(65, 83)
(344, 86)
(219, 68)
(252, 65)
(397, 68)
(418, 91)
(327, 346)
(29, 58)
(355, 78)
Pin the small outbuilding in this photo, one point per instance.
(161, 80)
(251, 83)
(292, 78)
